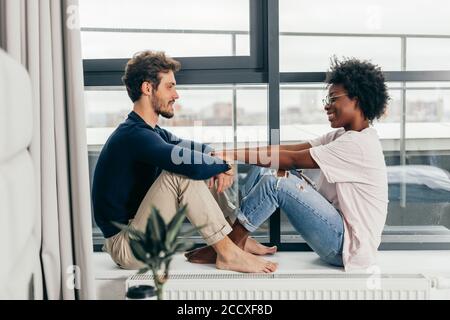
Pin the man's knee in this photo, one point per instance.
(177, 177)
(173, 179)
(166, 175)
(182, 183)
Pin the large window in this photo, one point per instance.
(203, 113)
(195, 28)
(252, 66)
(415, 132)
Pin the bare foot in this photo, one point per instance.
(253, 246)
(238, 260)
(205, 255)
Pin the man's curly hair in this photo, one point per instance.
(362, 80)
(146, 66)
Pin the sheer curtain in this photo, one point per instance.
(44, 36)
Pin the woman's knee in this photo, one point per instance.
(267, 181)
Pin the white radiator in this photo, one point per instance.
(288, 286)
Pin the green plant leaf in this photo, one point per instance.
(138, 250)
(134, 233)
(143, 270)
(121, 226)
(167, 262)
(156, 228)
(161, 225)
(152, 247)
(160, 242)
(174, 226)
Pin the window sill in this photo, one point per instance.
(110, 279)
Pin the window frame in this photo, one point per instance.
(198, 70)
(263, 67)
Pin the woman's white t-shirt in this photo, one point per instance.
(354, 179)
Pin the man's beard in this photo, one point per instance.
(158, 106)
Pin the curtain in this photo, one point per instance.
(44, 36)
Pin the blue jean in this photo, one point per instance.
(313, 216)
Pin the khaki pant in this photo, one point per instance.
(167, 194)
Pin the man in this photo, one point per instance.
(139, 168)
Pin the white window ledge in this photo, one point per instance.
(435, 265)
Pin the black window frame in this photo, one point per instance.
(261, 67)
(198, 70)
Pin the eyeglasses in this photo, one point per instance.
(330, 100)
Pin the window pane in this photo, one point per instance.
(181, 28)
(313, 53)
(242, 45)
(98, 45)
(428, 106)
(428, 54)
(203, 113)
(419, 193)
(374, 17)
(252, 124)
(312, 32)
(252, 131)
(302, 117)
(199, 106)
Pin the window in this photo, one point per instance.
(313, 53)
(310, 33)
(415, 131)
(195, 28)
(251, 66)
(220, 40)
(203, 113)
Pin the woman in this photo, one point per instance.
(343, 220)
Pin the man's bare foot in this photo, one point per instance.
(229, 256)
(253, 246)
(235, 259)
(207, 255)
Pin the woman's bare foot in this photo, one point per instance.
(253, 246)
(231, 257)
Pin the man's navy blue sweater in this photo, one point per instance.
(132, 159)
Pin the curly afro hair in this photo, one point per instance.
(362, 80)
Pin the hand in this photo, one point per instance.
(231, 171)
(224, 181)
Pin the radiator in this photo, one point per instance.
(290, 286)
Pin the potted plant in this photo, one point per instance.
(156, 246)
